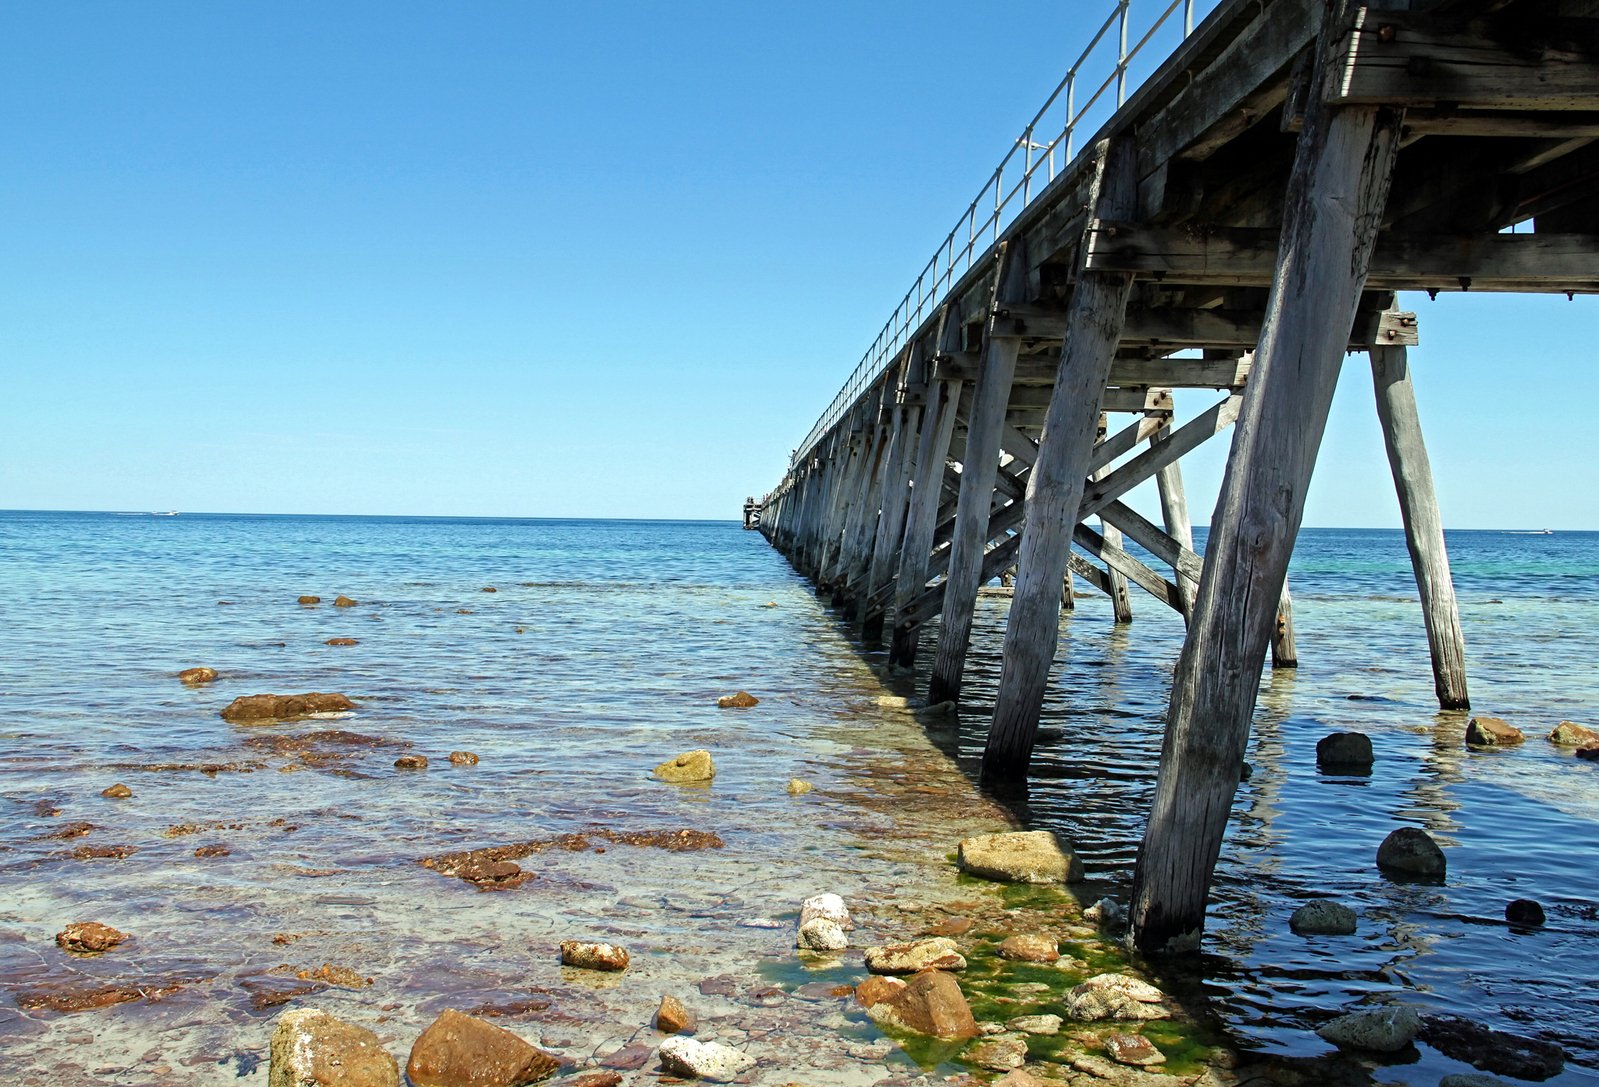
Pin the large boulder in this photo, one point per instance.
(271, 707)
(1030, 856)
(460, 1050)
(937, 953)
(311, 1048)
(931, 1002)
(1411, 852)
(1571, 734)
(1323, 917)
(704, 1060)
(1382, 1030)
(1492, 732)
(689, 766)
(1344, 751)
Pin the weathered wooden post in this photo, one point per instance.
(1342, 168)
(1424, 530)
(909, 393)
(1120, 603)
(1095, 315)
(1284, 646)
(1174, 512)
(978, 468)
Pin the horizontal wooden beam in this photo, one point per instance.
(1248, 257)
(1394, 58)
(1129, 567)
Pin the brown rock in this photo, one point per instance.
(96, 852)
(118, 791)
(693, 765)
(1003, 1053)
(937, 953)
(342, 976)
(673, 1018)
(411, 762)
(932, 1003)
(342, 601)
(460, 1050)
(593, 956)
(311, 1048)
(89, 938)
(1133, 1049)
(194, 677)
(463, 758)
(271, 992)
(490, 589)
(217, 850)
(878, 989)
(1029, 947)
(594, 1079)
(310, 600)
(1571, 734)
(342, 641)
(492, 875)
(743, 700)
(951, 926)
(268, 707)
(1492, 732)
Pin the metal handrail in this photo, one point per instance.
(949, 263)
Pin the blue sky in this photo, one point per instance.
(560, 260)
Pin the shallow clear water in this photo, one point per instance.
(602, 653)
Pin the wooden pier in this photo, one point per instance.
(1241, 223)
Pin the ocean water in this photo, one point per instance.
(600, 653)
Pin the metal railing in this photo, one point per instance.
(1014, 183)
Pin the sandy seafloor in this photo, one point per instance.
(601, 653)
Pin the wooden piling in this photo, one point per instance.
(1424, 531)
(1055, 486)
(1342, 169)
(1174, 512)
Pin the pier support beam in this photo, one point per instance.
(909, 395)
(1121, 604)
(979, 466)
(1424, 530)
(1284, 647)
(1342, 168)
(1174, 512)
(1095, 316)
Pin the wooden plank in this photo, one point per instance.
(1055, 485)
(979, 468)
(1135, 398)
(1343, 165)
(1120, 564)
(1247, 257)
(1165, 547)
(1395, 58)
(1179, 526)
(1449, 121)
(1424, 530)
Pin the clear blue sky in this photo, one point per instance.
(561, 259)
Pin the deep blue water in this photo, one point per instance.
(598, 655)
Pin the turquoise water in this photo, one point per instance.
(601, 653)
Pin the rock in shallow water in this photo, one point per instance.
(796, 787)
(1029, 947)
(690, 766)
(828, 906)
(1492, 732)
(411, 762)
(196, 677)
(1524, 911)
(931, 1002)
(1344, 750)
(742, 700)
(1492, 1050)
(311, 1048)
(1323, 917)
(1030, 856)
(463, 758)
(1133, 1049)
(1383, 1030)
(460, 1050)
(1571, 734)
(1115, 996)
(821, 934)
(118, 791)
(1410, 851)
(593, 956)
(1002, 1053)
(938, 953)
(673, 1018)
(89, 938)
(267, 707)
(704, 1060)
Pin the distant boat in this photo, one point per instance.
(168, 513)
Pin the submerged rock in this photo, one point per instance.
(308, 599)
(1492, 1050)
(1524, 911)
(1106, 912)
(118, 791)
(311, 1048)
(1472, 1079)
(1411, 851)
(267, 707)
(931, 1002)
(196, 677)
(89, 938)
(796, 787)
(1383, 1030)
(1589, 753)
(342, 601)
(460, 1050)
(1001, 1053)
(462, 758)
(1116, 996)
(821, 934)
(593, 956)
(1029, 947)
(1036, 1024)
(673, 1018)
(1133, 1049)
(1571, 734)
(1323, 917)
(342, 641)
(937, 953)
(742, 700)
(1348, 750)
(411, 762)
(704, 1060)
(693, 765)
(1029, 856)
(1492, 732)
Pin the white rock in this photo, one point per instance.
(829, 906)
(822, 934)
(683, 1056)
(1036, 1024)
(1381, 1029)
(1115, 996)
(937, 953)
(1104, 912)
(1026, 856)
